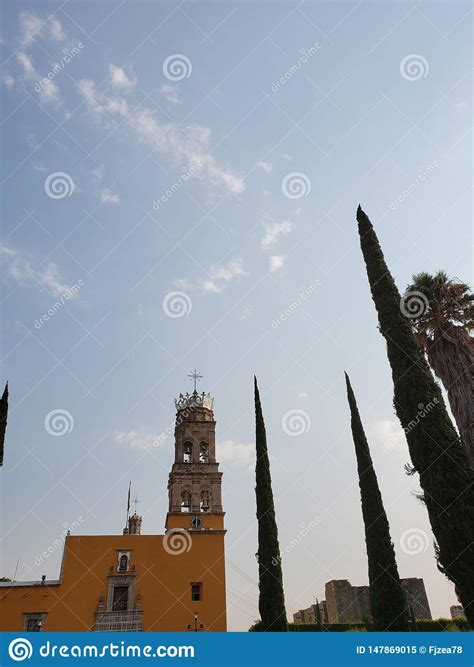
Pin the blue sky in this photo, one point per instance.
(188, 174)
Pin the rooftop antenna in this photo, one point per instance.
(16, 569)
(195, 376)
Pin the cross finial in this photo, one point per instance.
(135, 502)
(195, 376)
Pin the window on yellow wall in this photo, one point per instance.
(120, 599)
(33, 622)
(196, 591)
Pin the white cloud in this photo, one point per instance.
(274, 230)
(119, 79)
(303, 394)
(170, 93)
(182, 284)
(186, 146)
(236, 454)
(26, 63)
(277, 262)
(266, 166)
(19, 268)
(34, 27)
(106, 196)
(38, 165)
(49, 90)
(138, 439)
(49, 94)
(98, 172)
(49, 277)
(31, 26)
(388, 434)
(220, 275)
(56, 29)
(246, 313)
(210, 286)
(8, 81)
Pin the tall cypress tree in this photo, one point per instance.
(3, 421)
(271, 600)
(387, 599)
(435, 448)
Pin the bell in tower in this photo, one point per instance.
(194, 486)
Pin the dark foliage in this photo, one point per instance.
(3, 421)
(436, 450)
(271, 600)
(387, 599)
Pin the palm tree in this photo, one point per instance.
(443, 318)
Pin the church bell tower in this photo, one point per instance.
(194, 485)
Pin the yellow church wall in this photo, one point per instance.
(163, 579)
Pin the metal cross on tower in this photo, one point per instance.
(135, 502)
(195, 376)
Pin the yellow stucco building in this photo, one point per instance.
(170, 582)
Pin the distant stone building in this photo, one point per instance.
(351, 604)
(345, 603)
(310, 615)
(456, 610)
(415, 592)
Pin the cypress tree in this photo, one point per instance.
(271, 602)
(3, 421)
(387, 598)
(435, 448)
(318, 619)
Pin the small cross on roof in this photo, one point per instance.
(195, 376)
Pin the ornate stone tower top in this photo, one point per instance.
(190, 401)
(194, 486)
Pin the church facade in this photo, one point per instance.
(134, 582)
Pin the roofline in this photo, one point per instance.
(18, 584)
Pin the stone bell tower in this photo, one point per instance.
(194, 485)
